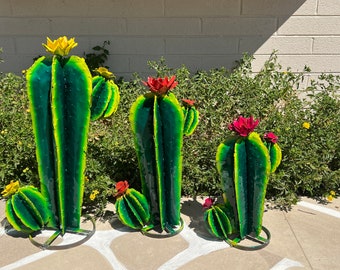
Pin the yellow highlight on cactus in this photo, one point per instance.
(10, 189)
(60, 46)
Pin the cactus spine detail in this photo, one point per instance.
(157, 123)
(59, 90)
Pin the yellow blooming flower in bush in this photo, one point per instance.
(60, 46)
(330, 196)
(102, 71)
(306, 125)
(10, 189)
(94, 194)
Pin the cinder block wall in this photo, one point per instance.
(201, 34)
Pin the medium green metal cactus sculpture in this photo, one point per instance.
(59, 91)
(157, 122)
(131, 206)
(26, 208)
(244, 164)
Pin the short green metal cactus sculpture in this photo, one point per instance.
(105, 95)
(244, 164)
(26, 208)
(157, 123)
(59, 90)
(131, 206)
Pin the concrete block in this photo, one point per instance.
(5, 10)
(310, 25)
(326, 45)
(284, 45)
(137, 45)
(163, 26)
(87, 26)
(139, 63)
(329, 7)
(7, 43)
(238, 26)
(201, 45)
(202, 8)
(118, 63)
(279, 7)
(24, 26)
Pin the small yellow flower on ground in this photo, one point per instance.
(94, 194)
(306, 125)
(60, 46)
(10, 189)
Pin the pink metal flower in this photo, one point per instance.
(243, 126)
(270, 137)
(120, 188)
(188, 102)
(208, 203)
(160, 86)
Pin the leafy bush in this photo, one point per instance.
(311, 161)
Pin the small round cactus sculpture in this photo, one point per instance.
(131, 206)
(26, 208)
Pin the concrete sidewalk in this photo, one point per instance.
(307, 237)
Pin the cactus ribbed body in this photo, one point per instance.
(132, 209)
(105, 98)
(27, 210)
(275, 155)
(157, 123)
(244, 166)
(59, 91)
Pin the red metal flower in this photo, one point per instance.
(208, 203)
(188, 102)
(160, 86)
(120, 188)
(243, 126)
(270, 137)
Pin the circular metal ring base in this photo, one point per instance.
(262, 242)
(47, 245)
(169, 231)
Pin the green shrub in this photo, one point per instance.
(311, 161)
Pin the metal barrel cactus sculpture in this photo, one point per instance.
(26, 208)
(190, 117)
(244, 164)
(157, 123)
(131, 206)
(105, 94)
(59, 91)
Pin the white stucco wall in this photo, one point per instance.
(201, 34)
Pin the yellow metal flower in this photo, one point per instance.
(94, 194)
(10, 189)
(306, 125)
(60, 46)
(102, 71)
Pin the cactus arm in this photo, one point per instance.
(191, 120)
(114, 101)
(71, 92)
(172, 133)
(39, 91)
(101, 96)
(217, 222)
(258, 171)
(225, 167)
(275, 154)
(141, 116)
(241, 190)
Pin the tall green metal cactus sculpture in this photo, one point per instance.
(59, 90)
(157, 123)
(244, 164)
